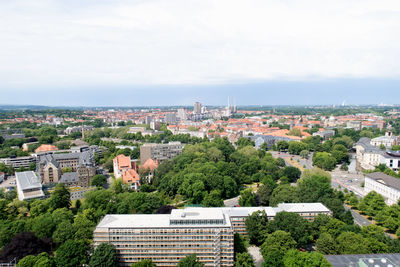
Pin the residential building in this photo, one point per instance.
(148, 169)
(19, 162)
(50, 168)
(78, 129)
(155, 125)
(182, 114)
(28, 185)
(167, 238)
(160, 152)
(126, 168)
(387, 141)
(383, 184)
(356, 125)
(197, 108)
(325, 134)
(170, 118)
(136, 130)
(369, 156)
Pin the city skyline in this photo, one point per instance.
(131, 53)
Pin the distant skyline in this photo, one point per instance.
(175, 52)
(334, 92)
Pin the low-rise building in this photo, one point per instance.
(29, 185)
(383, 184)
(388, 140)
(325, 134)
(19, 162)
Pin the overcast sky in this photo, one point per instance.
(167, 52)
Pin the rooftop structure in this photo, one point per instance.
(28, 185)
(365, 260)
(46, 148)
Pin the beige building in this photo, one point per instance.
(51, 167)
(160, 152)
(167, 238)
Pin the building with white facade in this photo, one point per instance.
(369, 156)
(167, 238)
(160, 152)
(383, 184)
(29, 185)
(388, 140)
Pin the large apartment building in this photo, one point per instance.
(160, 152)
(167, 238)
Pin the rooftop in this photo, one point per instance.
(28, 180)
(385, 179)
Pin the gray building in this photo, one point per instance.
(325, 135)
(19, 161)
(160, 152)
(170, 118)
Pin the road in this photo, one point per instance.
(358, 219)
(232, 202)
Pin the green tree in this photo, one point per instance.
(247, 198)
(256, 226)
(244, 260)
(326, 244)
(295, 258)
(284, 194)
(144, 263)
(351, 243)
(282, 145)
(99, 180)
(104, 256)
(324, 160)
(60, 198)
(64, 231)
(263, 194)
(213, 199)
(190, 261)
(238, 244)
(72, 253)
(372, 204)
(275, 247)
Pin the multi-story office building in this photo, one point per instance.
(383, 184)
(19, 162)
(160, 152)
(167, 238)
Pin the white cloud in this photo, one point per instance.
(78, 43)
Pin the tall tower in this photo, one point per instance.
(83, 132)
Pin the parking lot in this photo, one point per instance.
(10, 182)
(350, 180)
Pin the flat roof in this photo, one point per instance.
(382, 260)
(303, 207)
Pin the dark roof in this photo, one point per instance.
(354, 260)
(69, 177)
(385, 179)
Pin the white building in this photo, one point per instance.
(28, 185)
(383, 184)
(167, 238)
(388, 140)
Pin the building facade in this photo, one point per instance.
(167, 238)
(160, 152)
(19, 162)
(50, 168)
(383, 184)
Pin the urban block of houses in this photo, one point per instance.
(206, 232)
(383, 184)
(28, 185)
(126, 168)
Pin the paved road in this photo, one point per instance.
(256, 255)
(232, 202)
(358, 219)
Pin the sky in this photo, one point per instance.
(175, 52)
